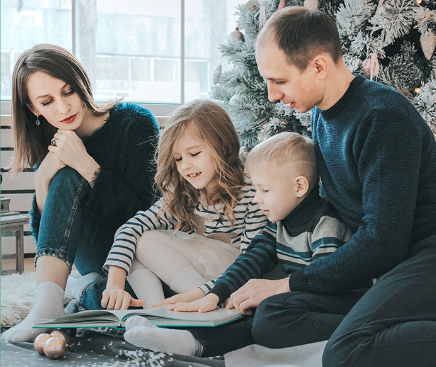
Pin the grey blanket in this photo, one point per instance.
(91, 348)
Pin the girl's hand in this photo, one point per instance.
(116, 298)
(70, 149)
(205, 304)
(182, 298)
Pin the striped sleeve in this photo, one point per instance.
(124, 246)
(259, 258)
(254, 221)
(328, 235)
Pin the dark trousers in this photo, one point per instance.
(394, 324)
(391, 324)
(280, 321)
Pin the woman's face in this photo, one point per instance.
(54, 99)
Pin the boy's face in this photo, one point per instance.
(277, 191)
(299, 90)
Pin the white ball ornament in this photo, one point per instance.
(237, 35)
(311, 4)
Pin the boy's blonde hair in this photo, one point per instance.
(284, 149)
(214, 126)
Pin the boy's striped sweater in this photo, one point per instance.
(312, 231)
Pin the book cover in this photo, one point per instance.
(159, 316)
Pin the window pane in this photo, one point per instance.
(24, 23)
(207, 24)
(131, 48)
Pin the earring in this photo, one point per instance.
(37, 122)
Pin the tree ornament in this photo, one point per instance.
(236, 34)
(371, 65)
(282, 4)
(61, 334)
(217, 74)
(252, 5)
(262, 16)
(311, 4)
(428, 44)
(39, 342)
(243, 152)
(54, 348)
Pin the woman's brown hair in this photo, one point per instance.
(214, 126)
(30, 140)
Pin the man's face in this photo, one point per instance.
(299, 90)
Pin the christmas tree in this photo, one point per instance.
(390, 41)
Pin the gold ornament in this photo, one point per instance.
(428, 44)
(236, 34)
(311, 4)
(217, 74)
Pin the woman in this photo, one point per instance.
(95, 169)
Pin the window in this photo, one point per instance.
(146, 51)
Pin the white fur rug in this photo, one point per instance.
(17, 294)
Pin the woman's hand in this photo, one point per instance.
(70, 149)
(182, 298)
(116, 298)
(50, 165)
(205, 304)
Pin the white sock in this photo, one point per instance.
(140, 332)
(75, 285)
(49, 302)
(188, 280)
(146, 284)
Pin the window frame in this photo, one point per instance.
(158, 109)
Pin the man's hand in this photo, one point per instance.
(116, 298)
(181, 298)
(255, 291)
(205, 304)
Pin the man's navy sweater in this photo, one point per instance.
(377, 161)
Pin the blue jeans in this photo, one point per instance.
(67, 231)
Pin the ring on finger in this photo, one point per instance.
(53, 142)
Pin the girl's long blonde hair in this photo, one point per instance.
(213, 125)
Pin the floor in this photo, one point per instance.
(8, 264)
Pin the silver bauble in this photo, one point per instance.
(237, 35)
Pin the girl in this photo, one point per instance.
(94, 171)
(204, 220)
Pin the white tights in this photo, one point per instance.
(159, 257)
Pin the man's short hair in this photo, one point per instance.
(284, 149)
(302, 34)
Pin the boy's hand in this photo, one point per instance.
(205, 304)
(181, 298)
(116, 298)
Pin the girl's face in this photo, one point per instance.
(54, 99)
(194, 161)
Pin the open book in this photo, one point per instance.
(159, 316)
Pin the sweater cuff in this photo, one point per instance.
(222, 291)
(298, 281)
